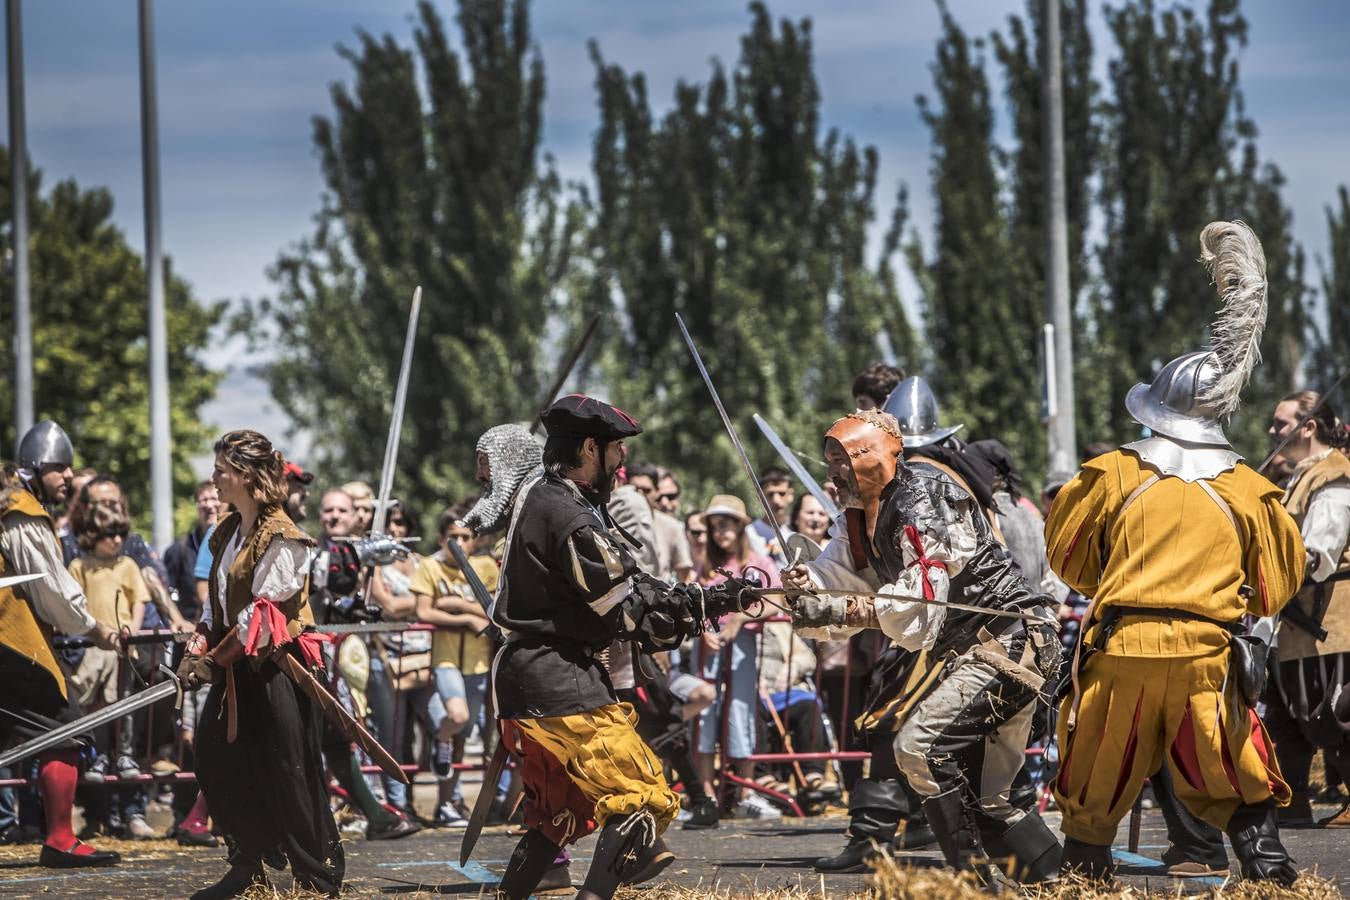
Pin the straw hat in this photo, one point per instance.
(727, 505)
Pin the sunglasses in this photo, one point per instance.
(672, 496)
(119, 532)
(698, 532)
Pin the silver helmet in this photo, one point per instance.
(916, 409)
(1176, 403)
(46, 443)
(1196, 391)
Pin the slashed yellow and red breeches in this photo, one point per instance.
(580, 770)
(1138, 712)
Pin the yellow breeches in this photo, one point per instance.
(605, 760)
(1137, 713)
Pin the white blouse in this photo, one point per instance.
(280, 574)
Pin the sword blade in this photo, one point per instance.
(480, 591)
(12, 580)
(769, 515)
(351, 729)
(396, 421)
(564, 370)
(483, 805)
(796, 468)
(92, 720)
(875, 595)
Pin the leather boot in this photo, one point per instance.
(532, 857)
(624, 843)
(854, 857)
(650, 863)
(242, 876)
(1030, 849)
(917, 834)
(1091, 861)
(1255, 834)
(960, 839)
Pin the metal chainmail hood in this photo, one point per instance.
(513, 454)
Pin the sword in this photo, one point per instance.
(564, 370)
(1289, 435)
(12, 580)
(480, 591)
(112, 711)
(876, 595)
(796, 468)
(769, 515)
(351, 729)
(483, 805)
(396, 420)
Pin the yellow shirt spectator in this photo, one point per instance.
(444, 597)
(114, 587)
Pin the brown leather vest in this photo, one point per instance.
(21, 630)
(1334, 596)
(271, 524)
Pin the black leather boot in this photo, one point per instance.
(1085, 860)
(853, 858)
(1028, 850)
(624, 843)
(875, 807)
(242, 876)
(650, 862)
(1255, 833)
(960, 840)
(529, 861)
(917, 834)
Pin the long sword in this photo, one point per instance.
(396, 422)
(796, 468)
(564, 370)
(769, 515)
(13, 580)
(876, 595)
(94, 719)
(1289, 435)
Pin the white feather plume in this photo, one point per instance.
(1237, 264)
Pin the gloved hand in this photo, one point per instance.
(798, 577)
(810, 611)
(195, 671)
(732, 595)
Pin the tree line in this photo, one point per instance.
(740, 209)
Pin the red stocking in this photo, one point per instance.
(57, 774)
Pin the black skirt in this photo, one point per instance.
(267, 791)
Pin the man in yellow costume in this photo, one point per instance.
(1178, 542)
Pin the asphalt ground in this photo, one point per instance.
(740, 857)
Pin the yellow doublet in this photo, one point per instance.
(1159, 690)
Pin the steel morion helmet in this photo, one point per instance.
(916, 409)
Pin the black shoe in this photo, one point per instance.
(189, 838)
(1028, 849)
(650, 863)
(397, 827)
(51, 858)
(530, 863)
(1255, 835)
(853, 858)
(960, 840)
(239, 879)
(703, 815)
(619, 854)
(1298, 814)
(917, 835)
(1091, 861)
(557, 878)
(11, 834)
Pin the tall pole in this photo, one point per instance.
(161, 473)
(18, 191)
(1063, 440)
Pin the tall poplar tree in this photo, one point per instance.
(432, 176)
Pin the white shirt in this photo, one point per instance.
(1326, 526)
(909, 620)
(280, 574)
(30, 547)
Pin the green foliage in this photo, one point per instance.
(432, 174)
(1333, 356)
(90, 363)
(736, 212)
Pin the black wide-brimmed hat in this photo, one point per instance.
(577, 415)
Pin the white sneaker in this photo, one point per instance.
(140, 829)
(448, 816)
(755, 806)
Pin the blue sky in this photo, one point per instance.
(239, 82)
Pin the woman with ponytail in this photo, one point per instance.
(1312, 670)
(258, 753)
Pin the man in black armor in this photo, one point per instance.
(916, 536)
(569, 588)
